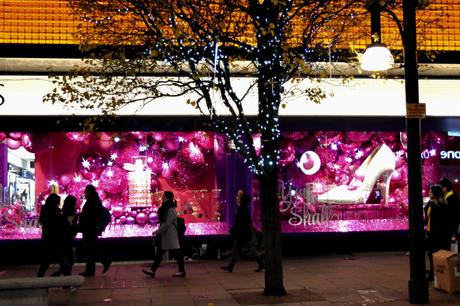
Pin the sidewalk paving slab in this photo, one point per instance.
(364, 279)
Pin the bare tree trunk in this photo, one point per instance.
(272, 235)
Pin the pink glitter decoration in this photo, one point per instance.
(77, 136)
(204, 140)
(287, 155)
(113, 179)
(193, 153)
(359, 136)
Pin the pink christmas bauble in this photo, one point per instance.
(193, 153)
(327, 138)
(90, 165)
(174, 164)
(130, 220)
(170, 145)
(2, 136)
(105, 140)
(117, 211)
(295, 135)
(125, 152)
(102, 194)
(107, 203)
(141, 218)
(153, 218)
(359, 136)
(26, 142)
(64, 180)
(204, 140)
(158, 136)
(77, 136)
(77, 188)
(15, 135)
(139, 135)
(399, 176)
(13, 144)
(113, 179)
(308, 163)
(326, 154)
(155, 161)
(349, 148)
(167, 172)
(87, 174)
(154, 185)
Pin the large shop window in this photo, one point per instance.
(328, 181)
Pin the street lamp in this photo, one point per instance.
(376, 57)
(418, 285)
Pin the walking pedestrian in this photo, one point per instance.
(89, 227)
(69, 213)
(51, 241)
(242, 233)
(166, 236)
(437, 227)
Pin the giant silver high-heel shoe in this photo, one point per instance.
(376, 169)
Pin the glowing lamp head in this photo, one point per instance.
(377, 57)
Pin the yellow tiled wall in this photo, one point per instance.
(53, 22)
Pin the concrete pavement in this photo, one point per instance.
(319, 280)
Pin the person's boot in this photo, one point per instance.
(261, 266)
(106, 264)
(229, 267)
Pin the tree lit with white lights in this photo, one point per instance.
(199, 47)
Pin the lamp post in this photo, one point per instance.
(418, 285)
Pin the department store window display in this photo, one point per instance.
(354, 181)
(329, 181)
(129, 169)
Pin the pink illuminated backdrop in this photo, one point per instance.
(328, 182)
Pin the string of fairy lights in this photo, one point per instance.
(174, 41)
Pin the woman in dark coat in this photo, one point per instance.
(437, 226)
(69, 213)
(68, 232)
(242, 233)
(166, 236)
(51, 222)
(89, 227)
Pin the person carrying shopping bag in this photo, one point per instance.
(166, 236)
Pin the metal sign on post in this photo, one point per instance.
(415, 110)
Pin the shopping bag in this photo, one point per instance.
(454, 246)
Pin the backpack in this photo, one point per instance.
(181, 228)
(104, 219)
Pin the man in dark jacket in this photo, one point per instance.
(242, 233)
(453, 204)
(89, 227)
